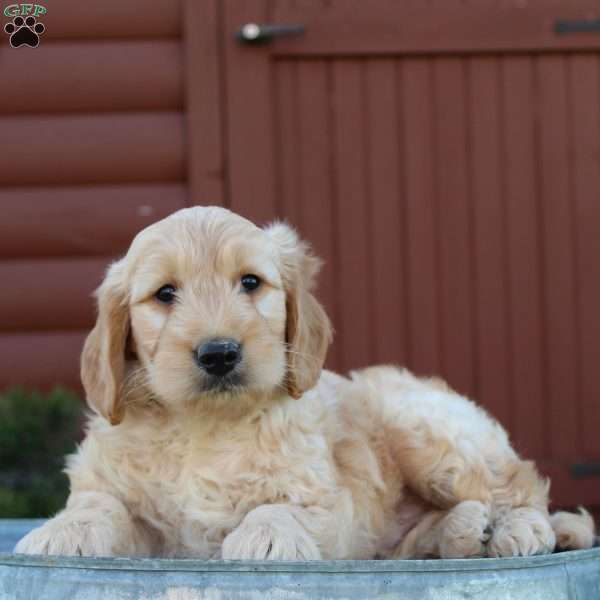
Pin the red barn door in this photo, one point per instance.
(444, 159)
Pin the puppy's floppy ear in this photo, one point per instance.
(308, 330)
(103, 357)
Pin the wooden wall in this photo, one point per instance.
(93, 145)
(447, 171)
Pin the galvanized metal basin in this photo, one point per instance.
(564, 576)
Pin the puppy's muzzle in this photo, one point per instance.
(219, 357)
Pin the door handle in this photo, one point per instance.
(254, 33)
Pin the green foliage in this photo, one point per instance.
(36, 432)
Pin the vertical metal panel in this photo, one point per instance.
(523, 249)
(490, 277)
(250, 141)
(422, 237)
(384, 171)
(289, 185)
(456, 298)
(352, 213)
(561, 387)
(585, 88)
(307, 188)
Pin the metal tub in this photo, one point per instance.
(564, 576)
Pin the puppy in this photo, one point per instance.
(216, 433)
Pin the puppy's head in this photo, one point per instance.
(206, 308)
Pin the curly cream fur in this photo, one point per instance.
(292, 462)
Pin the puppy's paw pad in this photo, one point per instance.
(466, 531)
(522, 532)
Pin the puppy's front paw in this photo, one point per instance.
(60, 537)
(264, 542)
(270, 535)
(66, 537)
(466, 531)
(37, 541)
(522, 532)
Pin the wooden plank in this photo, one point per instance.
(303, 176)
(585, 97)
(422, 238)
(81, 220)
(77, 77)
(492, 353)
(315, 176)
(41, 360)
(526, 329)
(561, 391)
(384, 165)
(250, 125)
(120, 147)
(110, 19)
(454, 223)
(352, 214)
(49, 294)
(288, 182)
(204, 99)
(358, 28)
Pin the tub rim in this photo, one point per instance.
(325, 566)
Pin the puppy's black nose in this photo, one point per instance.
(219, 357)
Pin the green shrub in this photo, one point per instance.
(36, 432)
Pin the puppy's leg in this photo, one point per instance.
(92, 524)
(423, 540)
(511, 490)
(276, 532)
(461, 532)
(449, 451)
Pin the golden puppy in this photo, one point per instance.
(216, 433)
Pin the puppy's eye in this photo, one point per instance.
(166, 294)
(250, 283)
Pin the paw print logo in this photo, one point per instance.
(24, 32)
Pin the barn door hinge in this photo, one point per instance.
(565, 26)
(585, 470)
(253, 33)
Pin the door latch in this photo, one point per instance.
(253, 33)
